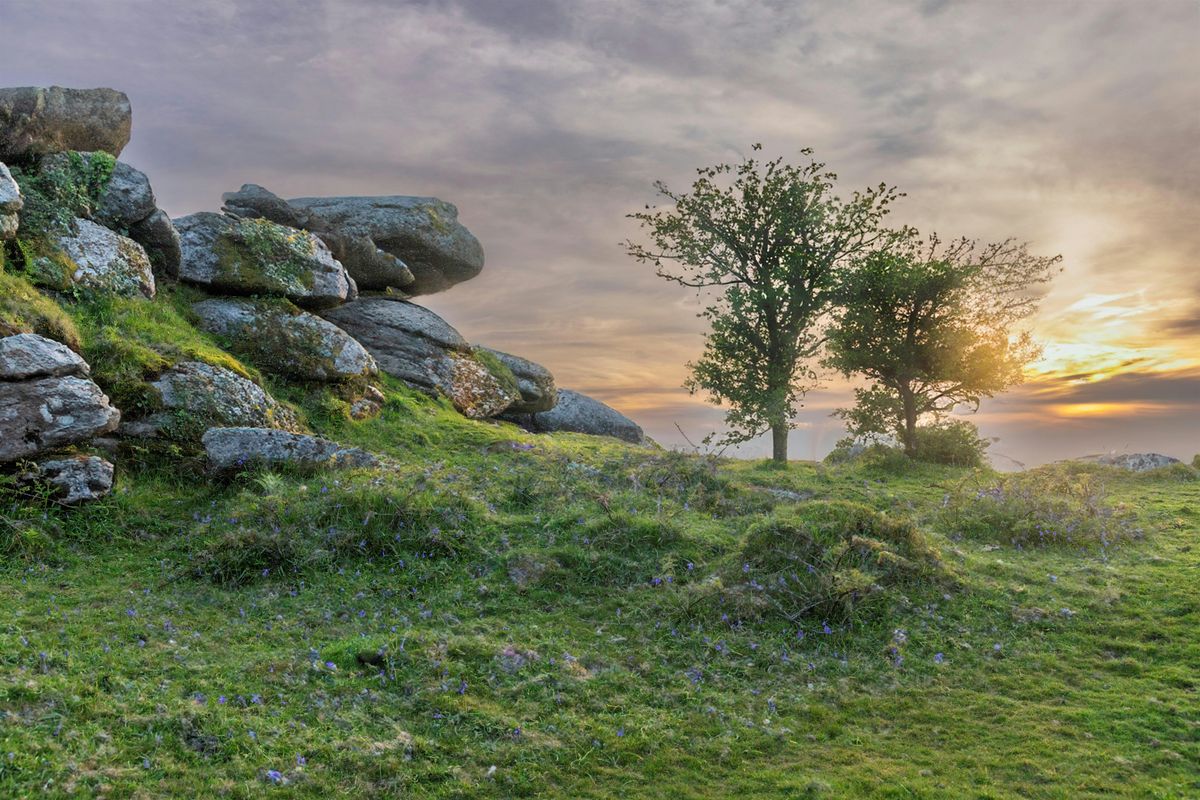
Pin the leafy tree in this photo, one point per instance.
(932, 327)
(768, 242)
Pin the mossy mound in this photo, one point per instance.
(23, 309)
(127, 341)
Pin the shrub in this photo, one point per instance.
(956, 443)
(829, 560)
(1061, 504)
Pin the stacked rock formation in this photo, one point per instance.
(312, 289)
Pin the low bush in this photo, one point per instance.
(1061, 504)
(827, 560)
(956, 443)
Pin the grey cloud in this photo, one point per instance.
(546, 121)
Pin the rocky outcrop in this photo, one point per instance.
(11, 204)
(37, 121)
(195, 397)
(107, 261)
(578, 413)
(232, 449)
(1134, 462)
(256, 256)
(423, 232)
(78, 479)
(47, 400)
(371, 267)
(534, 382)
(419, 347)
(282, 339)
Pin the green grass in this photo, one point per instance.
(536, 632)
(497, 614)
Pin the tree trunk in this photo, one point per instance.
(779, 442)
(910, 424)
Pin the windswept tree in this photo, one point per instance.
(767, 242)
(932, 327)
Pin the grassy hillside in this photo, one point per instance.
(497, 614)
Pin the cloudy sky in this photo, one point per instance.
(1073, 124)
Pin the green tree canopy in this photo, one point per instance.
(931, 327)
(767, 242)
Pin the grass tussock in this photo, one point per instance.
(827, 560)
(278, 525)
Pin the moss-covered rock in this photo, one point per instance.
(38, 120)
(105, 261)
(130, 340)
(279, 338)
(419, 347)
(194, 397)
(532, 381)
(255, 256)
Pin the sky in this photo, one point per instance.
(1071, 124)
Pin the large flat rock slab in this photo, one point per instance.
(35, 121)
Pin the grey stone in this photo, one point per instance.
(80, 479)
(419, 347)
(253, 201)
(230, 449)
(107, 261)
(257, 256)
(127, 199)
(11, 204)
(534, 381)
(35, 121)
(197, 396)
(157, 235)
(46, 413)
(1134, 462)
(578, 413)
(423, 232)
(281, 338)
(10, 193)
(369, 266)
(28, 355)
